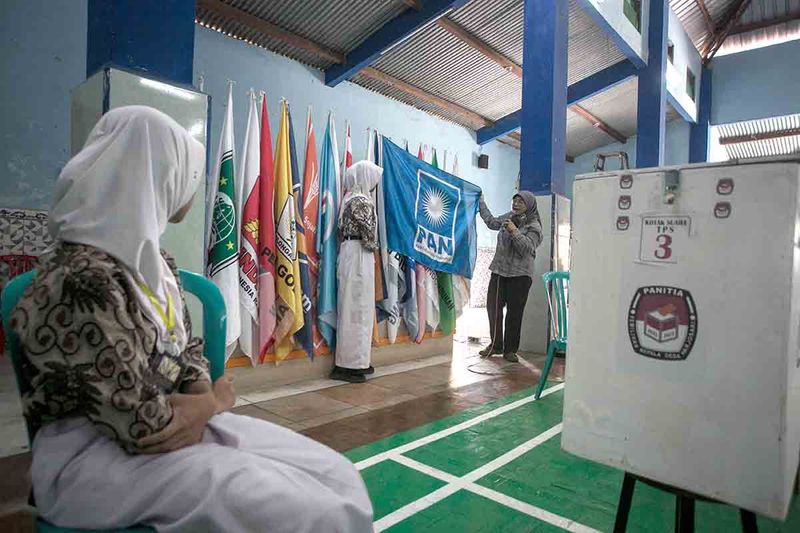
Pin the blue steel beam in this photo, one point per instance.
(576, 92)
(544, 96)
(392, 33)
(699, 132)
(652, 104)
(598, 18)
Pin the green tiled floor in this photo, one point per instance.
(391, 486)
(472, 448)
(544, 477)
(464, 511)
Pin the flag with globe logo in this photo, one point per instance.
(222, 264)
(430, 214)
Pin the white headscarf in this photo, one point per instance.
(359, 180)
(137, 169)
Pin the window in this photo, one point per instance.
(633, 11)
(690, 84)
(671, 52)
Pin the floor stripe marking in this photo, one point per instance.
(377, 458)
(467, 482)
(414, 507)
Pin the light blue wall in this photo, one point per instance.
(43, 56)
(676, 152)
(219, 58)
(756, 84)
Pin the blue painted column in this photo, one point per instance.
(652, 105)
(700, 132)
(544, 96)
(152, 36)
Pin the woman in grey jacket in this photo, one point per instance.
(520, 233)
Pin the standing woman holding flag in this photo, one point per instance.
(356, 273)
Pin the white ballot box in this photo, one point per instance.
(684, 312)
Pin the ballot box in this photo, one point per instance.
(683, 361)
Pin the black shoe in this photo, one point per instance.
(511, 357)
(366, 371)
(344, 374)
(488, 352)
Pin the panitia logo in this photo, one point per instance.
(625, 181)
(624, 202)
(662, 322)
(623, 223)
(435, 215)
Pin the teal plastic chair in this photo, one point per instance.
(214, 322)
(557, 285)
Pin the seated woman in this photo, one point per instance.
(129, 428)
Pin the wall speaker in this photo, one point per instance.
(483, 161)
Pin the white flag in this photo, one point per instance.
(248, 255)
(223, 250)
(431, 299)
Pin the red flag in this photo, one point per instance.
(348, 150)
(310, 214)
(266, 239)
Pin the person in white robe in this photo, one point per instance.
(355, 273)
(129, 429)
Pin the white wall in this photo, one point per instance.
(612, 12)
(686, 56)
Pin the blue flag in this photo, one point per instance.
(430, 214)
(327, 225)
(303, 336)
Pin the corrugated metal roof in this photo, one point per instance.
(439, 63)
(339, 25)
(761, 11)
(691, 16)
(761, 148)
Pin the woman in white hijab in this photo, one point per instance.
(129, 429)
(355, 272)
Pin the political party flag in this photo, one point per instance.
(461, 285)
(327, 224)
(289, 307)
(431, 298)
(248, 237)
(444, 283)
(408, 302)
(303, 336)
(422, 300)
(267, 255)
(347, 161)
(393, 275)
(223, 249)
(310, 215)
(430, 214)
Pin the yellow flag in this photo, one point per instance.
(288, 304)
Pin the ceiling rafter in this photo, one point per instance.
(761, 24)
(762, 136)
(509, 65)
(267, 28)
(723, 29)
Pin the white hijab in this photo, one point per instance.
(359, 180)
(137, 169)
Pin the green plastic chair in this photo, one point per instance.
(557, 285)
(214, 322)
